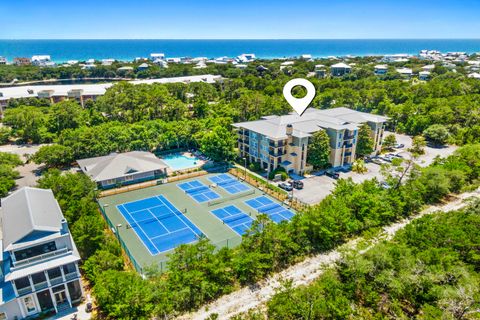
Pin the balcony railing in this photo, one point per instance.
(56, 281)
(71, 275)
(23, 291)
(40, 285)
(36, 259)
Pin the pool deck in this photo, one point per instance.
(171, 169)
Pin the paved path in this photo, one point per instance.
(307, 271)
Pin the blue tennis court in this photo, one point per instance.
(198, 191)
(274, 210)
(233, 217)
(158, 224)
(229, 183)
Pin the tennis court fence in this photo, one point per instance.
(230, 198)
(127, 252)
(162, 265)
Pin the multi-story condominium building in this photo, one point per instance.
(39, 261)
(275, 141)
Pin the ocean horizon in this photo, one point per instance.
(127, 50)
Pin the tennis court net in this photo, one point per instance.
(227, 182)
(269, 207)
(235, 218)
(233, 197)
(196, 190)
(153, 219)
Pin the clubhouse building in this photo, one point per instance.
(275, 141)
(39, 261)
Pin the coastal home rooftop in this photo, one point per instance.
(123, 168)
(39, 258)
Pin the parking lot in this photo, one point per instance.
(316, 188)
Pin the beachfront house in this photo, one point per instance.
(42, 61)
(157, 56)
(118, 169)
(39, 259)
(340, 69)
(246, 58)
(3, 60)
(282, 141)
(21, 61)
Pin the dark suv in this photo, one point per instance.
(332, 174)
(297, 184)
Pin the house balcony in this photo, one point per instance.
(24, 291)
(277, 154)
(40, 285)
(40, 258)
(348, 137)
(71, 276)
(348, 145)
(277, 144)
(55, 281)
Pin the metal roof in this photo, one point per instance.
(118, 165)
(26, 211)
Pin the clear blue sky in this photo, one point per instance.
(247, 19)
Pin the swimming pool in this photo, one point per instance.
(178, 161)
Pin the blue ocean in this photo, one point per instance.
(64, 50)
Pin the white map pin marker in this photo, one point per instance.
(299, 104)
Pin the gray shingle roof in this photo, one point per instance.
(311, 121)
(28, 210)
(118, 165)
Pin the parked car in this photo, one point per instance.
(399, 146)
(378, 160)
(385, 185)
(285, 186)
(332, 174)
(297, 184)
(387, 158)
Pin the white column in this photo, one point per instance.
(68, 295)
(20, 305)
(52, 296)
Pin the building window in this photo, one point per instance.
(45, 300)
(29, 304)
(38, 278)
(22, 283)
(54, 273)
(74, 290)
(35, 251)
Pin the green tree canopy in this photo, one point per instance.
(390, 141)
(318, 153)
(364, 141)
(218, 144)
(437, 133)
